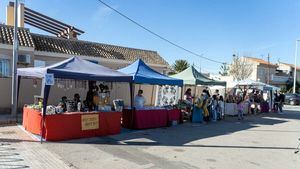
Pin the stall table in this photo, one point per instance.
(72, 125)
(152, 118)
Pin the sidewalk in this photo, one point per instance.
(7, 119)
(18, 150)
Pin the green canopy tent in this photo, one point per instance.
(191, 76)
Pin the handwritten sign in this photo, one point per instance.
(89, 121)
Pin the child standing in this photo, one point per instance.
(240, 108)
(214, 105)
(221, 107)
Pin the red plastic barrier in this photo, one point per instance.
(144, 119)
(32, 120)
(68, 125)
(174, 115)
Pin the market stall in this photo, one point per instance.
(148, 117)
(191, 77)
(69, 121)
(265, 92)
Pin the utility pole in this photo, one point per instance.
(268, 69)
(295, 67)
(14, 87)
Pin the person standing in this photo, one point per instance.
(281, 101)
(221, 107)
(214, 105)
(139, 100)
(240, 108)
(188, 95)
(276, 102)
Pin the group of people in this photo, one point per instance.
(76, 103)
(212, 106)
(254, 100)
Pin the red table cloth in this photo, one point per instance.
(174, 115)
(69, 125)
(144, 119)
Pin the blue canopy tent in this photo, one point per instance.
(72, 68)
(143, 74)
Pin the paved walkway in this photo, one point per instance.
(18, 150)
(265, 141)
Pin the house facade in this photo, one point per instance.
(289, 70)
(277, 74)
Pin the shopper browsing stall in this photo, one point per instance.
(188, 96)
(240, 108)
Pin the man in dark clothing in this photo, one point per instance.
(281, 101)
(89, 98)
(276, 101)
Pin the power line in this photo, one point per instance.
(159, 36)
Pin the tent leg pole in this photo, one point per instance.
(132, 89)
(131, 94)
(181, 92)
(45, 100)
(224, 100)
(18, 93)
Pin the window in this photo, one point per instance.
(39, 63)
(4, 68)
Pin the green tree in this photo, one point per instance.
(180, 65)
(224, 70)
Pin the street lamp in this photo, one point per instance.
(295, 67)
(14, 87)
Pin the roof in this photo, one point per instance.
(291, 65)
(191, 76)
(76, 68)
(53, 44)
(261, 61)
(7, 34)
(143, 74)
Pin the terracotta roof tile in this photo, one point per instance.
(24, 36)
(77, 47)
(261, 61)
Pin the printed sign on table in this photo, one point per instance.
(89, 121)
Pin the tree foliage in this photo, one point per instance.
(180, 65)
(240, 69)
(224, 70)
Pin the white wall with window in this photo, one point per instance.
(5, 67)
(39, 63)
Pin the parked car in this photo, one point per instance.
(292, 99)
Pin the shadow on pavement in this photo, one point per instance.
(184, 134)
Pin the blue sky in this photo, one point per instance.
(217, 28)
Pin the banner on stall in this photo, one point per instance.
(49, 79)
(89, 122)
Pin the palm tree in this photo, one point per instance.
(224, 70)
(180, 65)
